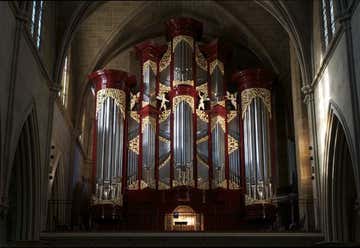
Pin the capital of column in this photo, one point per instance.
(308, 92)
(184, 26)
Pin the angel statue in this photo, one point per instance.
(163, 100)
(232, 98)
(203, 98)
(134, 99)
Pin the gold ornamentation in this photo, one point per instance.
(231, 115)
(177, 99)
(218, 119)
(143, 184)
(165, 140)
(134, 145)
(163, 88)
(186, 82)
(150, 64)
(201, 160)
(200, 59)
(164, 115)
(248, 95)
(134, 185)
(233, 185)
(202, 115)
(117, 95)
(148, 120)
(215, 63)
(166, 59)
(135, 116)
(203, 88)
(233, 144)
(186, 38)
(163, 185)
(223, 184)
(165, 161)
(203, 139)
(221, 103)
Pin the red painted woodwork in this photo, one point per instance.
(253, 78)
(109, 78)
(184, 26)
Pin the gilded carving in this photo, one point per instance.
(249, 94)
(165, 162)
(203, 88)
(218, 120)
(200, 59)
(233, 144)
(177, 99)
(185, 82)
(134, 145)
(164, 115)
(202, 115)
(166, 59)
(148, 120)
(203, 139)
(188, 39)
(135, 116)
(233, 185)
(215, 63)
(231, 115)
(162, 139)
(117, 95)
(163, 88)
(202, 161)
(150, 64)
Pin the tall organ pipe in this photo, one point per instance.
(255, 88)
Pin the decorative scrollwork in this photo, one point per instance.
(231, 115)
(165, 161)
(200, 59)
(135, 116)
(134, 145)
(215, 63)
(233, 185)
(185, 82)
(218, 119)
(188, 39)
(233, 144)
(117, 95)
(202, 160)
(163, 88)
(203, 139)
(164, 115)
(177, 99)
(248, 95)
(202, 115)
(150, 64)
(203, 88)
(165, 140)
(148, 120)
(166, 59)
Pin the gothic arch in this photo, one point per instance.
(339, 184)
(23, 186)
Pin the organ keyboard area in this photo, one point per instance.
(184, 128)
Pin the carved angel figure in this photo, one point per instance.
(203, 98)
(134, 99)
(232, 98)
(163, 100)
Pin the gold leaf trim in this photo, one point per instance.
(200, 59)
(248, 95)
(233, 144)
(150, 64)
(201, 140)
(186, 82)
(202, 115)
(165, 161)
(189, 99)
(233, 185)
(134, 145)
(135, 116)
(215, 63)
(166, 59)
(218, 119)
(188, 39)
(163, 88)
(164, 115)
(203, 88)
(165, 140)
(148, 120)
(117, 95)
(201, 160)
(231, 115)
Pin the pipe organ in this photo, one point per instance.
(183, 130)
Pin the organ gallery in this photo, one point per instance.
(188, 146)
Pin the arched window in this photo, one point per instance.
(36, 23)
(328, 21)
(63, 94)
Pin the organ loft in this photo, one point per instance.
(187, 146)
